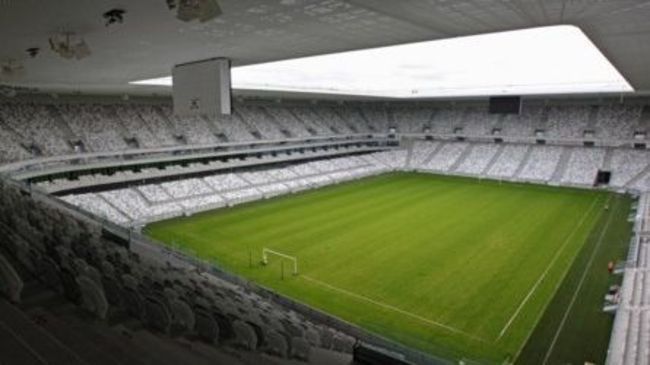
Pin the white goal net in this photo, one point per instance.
(266, 252)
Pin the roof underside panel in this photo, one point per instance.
(151, 40)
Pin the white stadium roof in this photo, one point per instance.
(151, 40)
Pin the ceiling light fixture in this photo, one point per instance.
(33, 51)
(69, 46)
(189, 10)
(11, 69)
(114, 16)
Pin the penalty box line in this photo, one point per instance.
(547, 270)
(393, 308)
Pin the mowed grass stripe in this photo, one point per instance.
(549, 267)
(583, 334)
(586, 271)
(453, 251)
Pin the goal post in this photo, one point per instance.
(267, 251)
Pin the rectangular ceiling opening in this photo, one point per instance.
(547, 60)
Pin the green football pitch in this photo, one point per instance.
(455, 267)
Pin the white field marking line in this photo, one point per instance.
(575, 293)
(541, 313)
(395, 309)
(546, 271)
